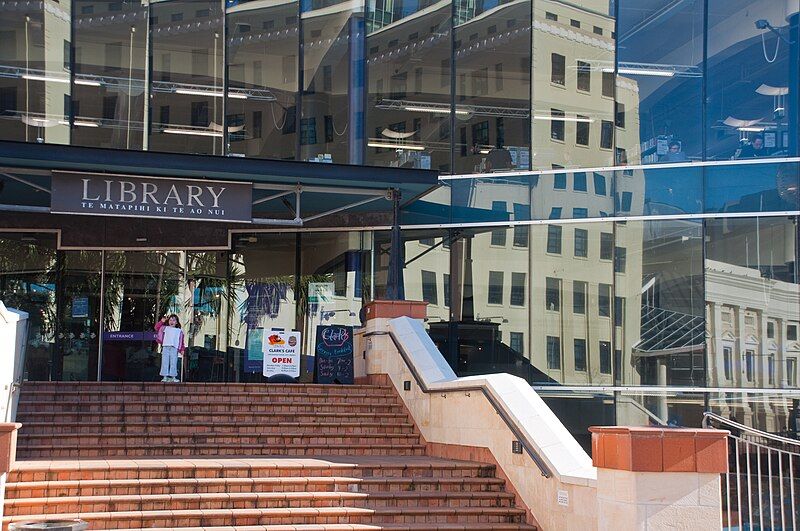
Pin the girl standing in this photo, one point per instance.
(170, 336)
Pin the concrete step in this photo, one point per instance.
(287, 438)
(359, 467)
(200, 387)
(182, 395)
(323, 426)
(427, 526)
(125, 487)
(241, 417)
(284, 516)
(253, 500)
(59, 451)
(319, 406)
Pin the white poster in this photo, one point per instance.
(281, 353)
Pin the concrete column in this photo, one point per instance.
(656, 478)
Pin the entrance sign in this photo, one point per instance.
(334, 354)
(281, 353)
(150, 197)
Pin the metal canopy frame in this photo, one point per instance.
(282, 190)
(297, 190)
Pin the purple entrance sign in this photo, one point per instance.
(129, 336)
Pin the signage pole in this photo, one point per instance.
(102, 315)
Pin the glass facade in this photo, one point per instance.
(459, 86)
(617, 215)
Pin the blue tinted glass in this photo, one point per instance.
(555, 213)
(659, 191)
(580, 182)
(578, 213)
(560, 181)
(660, 55)
(599, 184)
(475, 200)
(752, 71)
(752, 187)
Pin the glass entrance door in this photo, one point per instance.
(140, 287)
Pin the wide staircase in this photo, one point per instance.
(219, 457)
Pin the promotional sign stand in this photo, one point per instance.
(334, 354)
(281, 353)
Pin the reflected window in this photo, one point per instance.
(553, 353)
(552, 294)
(581, 243)
(579, 290)
(554, 239)
(579, 346)
(429, 291)
(606, 134)
(605, 357)
(620, 259)
(558, 69)
(604, 300)
(727, 362)
(579, 181)
(557, 124)
(584, 76)
(606, 246)
(749, 361)
(791, 372)
(517, 289)
(495, 292)
(517, 342)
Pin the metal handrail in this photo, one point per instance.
(523, 439)
(749, 429)
(758, 473)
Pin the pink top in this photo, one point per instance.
(160, 335)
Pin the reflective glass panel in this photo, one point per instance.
(492, 52)
(660, 66)
(263, 48)
(660, 332)
(35, 69)
(752, 187)
(110, 64)
(573, 90)
(752, 302)
(752, 78)
(186, 48)
(408, 90)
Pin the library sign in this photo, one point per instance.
(150, 197)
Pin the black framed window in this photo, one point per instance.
(584, 76)
(557, 124)
(620, 259)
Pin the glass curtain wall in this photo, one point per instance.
(109, 97)
(35, 71)
(573, 90)
(187, 44)
(330, 127)
(492, 78)
(408, 113)
(263, 96)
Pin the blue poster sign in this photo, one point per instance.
(254, 353)
(80, 307)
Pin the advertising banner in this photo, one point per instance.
(150, 197)
(281, 353)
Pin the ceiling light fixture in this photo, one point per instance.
(395, 146)
(172, 131)
(35, 77)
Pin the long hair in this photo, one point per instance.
(177, 320)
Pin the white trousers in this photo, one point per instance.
(169, 362)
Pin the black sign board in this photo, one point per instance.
(102, 194)
(334, 352)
